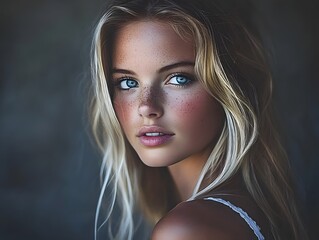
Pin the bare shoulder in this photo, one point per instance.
(201, 220)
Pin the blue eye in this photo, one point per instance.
(179, 80)
(126, 84)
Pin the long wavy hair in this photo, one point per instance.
(231, 66)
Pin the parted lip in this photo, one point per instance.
(153, 129)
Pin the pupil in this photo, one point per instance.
(131, 83)
(181, 79)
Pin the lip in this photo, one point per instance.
(152, 141)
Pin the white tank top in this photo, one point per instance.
(252, 224)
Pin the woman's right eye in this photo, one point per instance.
(126, 84)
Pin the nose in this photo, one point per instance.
(150, 105)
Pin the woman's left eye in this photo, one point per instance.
(179, 80)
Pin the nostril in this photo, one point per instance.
(152, 115)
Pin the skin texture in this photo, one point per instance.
(150, 54)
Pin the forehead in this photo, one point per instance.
(150, 40)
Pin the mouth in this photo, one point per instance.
(152, 136)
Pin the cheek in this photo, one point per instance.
(193, 105)
(197, 112)
(123, 109)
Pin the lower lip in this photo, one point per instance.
(155, 141)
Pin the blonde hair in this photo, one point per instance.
(231, 66)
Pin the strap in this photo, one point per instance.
(252, 224)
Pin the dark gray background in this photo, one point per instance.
(49, 169)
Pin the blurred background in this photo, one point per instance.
(49, 168)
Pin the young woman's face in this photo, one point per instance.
(165, 112)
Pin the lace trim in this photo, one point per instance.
(252, 224)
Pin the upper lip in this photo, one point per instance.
(153, 129)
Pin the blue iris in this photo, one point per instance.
(128, 84)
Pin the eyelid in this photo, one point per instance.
(189, 76)
(117, 81)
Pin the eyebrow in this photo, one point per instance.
(163, 69)
(124, 71)
(175, 65)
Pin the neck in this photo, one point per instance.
(186, 173)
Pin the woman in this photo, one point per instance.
(181, 111)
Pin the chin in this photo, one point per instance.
(154, 163)
(158, 161)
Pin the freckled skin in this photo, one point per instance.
(190, 113)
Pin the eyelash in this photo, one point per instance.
(122, 79)
(189, 78)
